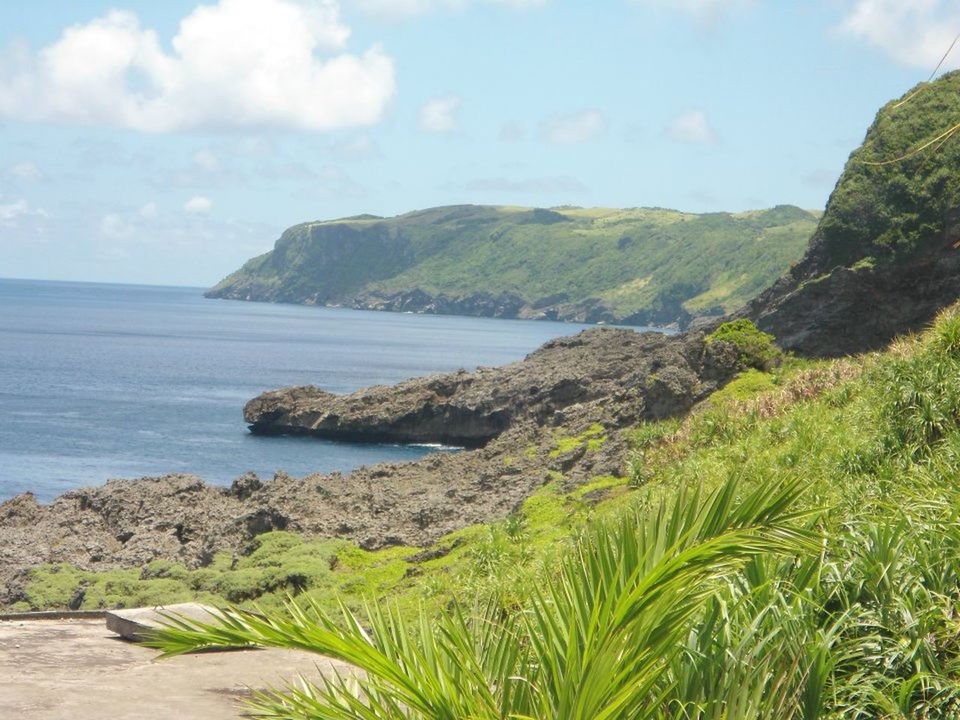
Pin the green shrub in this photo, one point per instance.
(755, 347)
(53, 586)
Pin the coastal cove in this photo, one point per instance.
(107, 381)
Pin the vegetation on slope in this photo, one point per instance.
(898, 188)
(864, 626)
(859, 624)
(636, 265)
(756, 348)
(594, 643)
(884, 259)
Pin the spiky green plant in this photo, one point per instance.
(596, 642)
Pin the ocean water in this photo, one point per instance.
(107, 381)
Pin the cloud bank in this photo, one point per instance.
(238, 63)
(915, 33)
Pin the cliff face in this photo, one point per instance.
(638, 266)
(342, 259)
(884, 258)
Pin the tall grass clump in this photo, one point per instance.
(922, 399)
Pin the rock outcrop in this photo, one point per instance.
(642, 374)
(852, 310)
(510, 306)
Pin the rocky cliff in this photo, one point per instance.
(884, 259)
(641, 374)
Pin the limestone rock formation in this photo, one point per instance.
(470, 409)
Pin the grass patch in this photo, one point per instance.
(593, 438)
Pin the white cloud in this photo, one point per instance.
(237, 63)
(393, 10)
(12, 212)
(115, 227)
(575, 127)
(704, 12)
(27, 171)
(913, 32)
(205, 160)
(440, 114)
(198, 204)
(149, 211)
(692, 126)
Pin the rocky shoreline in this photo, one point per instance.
(517, 415)
(632, 370)
(505, 306)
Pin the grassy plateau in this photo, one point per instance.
(647, 265)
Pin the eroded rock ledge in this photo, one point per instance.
(643, 374)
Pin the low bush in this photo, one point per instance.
(755, 347)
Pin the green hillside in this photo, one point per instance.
(883, 260)
(641, 265)
(898, 189)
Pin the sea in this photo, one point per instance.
(102, 381)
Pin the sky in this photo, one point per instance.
(168, 142)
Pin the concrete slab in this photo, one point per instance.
(134, 623)
(77, 670)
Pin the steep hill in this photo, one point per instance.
(884, 257)
(637, 266)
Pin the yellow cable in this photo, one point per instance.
(943, 136)
(907, 99)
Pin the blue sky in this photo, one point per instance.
(168, 142)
